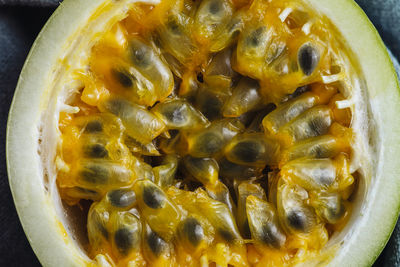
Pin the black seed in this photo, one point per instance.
(254, 37)
(318, 126)
(123, 78)
(173, 25)
(209, 143)
(297, 220)
(193, 231)
(247, 151)
(308, 58)
(153, 197)
(124, 240)
(156, 243)
(95, 174)
(299, 91)
(226, 235)
(96, 151)
(94, 126)
(211, 107)
(269, 235)
(214, 7)
(121, 198)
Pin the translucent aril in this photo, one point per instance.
(263, 223)
(155, 249)
(314, 122)
(126, 231)
(252, 149)
(329, 206)
(219, 74)
(140, 124)
(221, 193)
(137, 147)
(244, 190)
(102, 174)
(210, 19)
(205, 170)
(97, 227)
(245, 97)
(179, 114)
(230, 170)
(211, 141)
(164, 174)
(295, 215)
(191, 234)
(211, 102)
(160, 213)
(318, 174)
(121, 198)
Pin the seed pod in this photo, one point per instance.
(212, 140)
(246, 189)
(219, 73)
(150, 65)
(155, 249)
(326, 146)
(228, 33)
(179, 114)
(314, 122)
(164, 174)
(288, 111)
(121, 198)
(211, 17)
(102, 173)
(221, 193)
(252, 149)
(251, 50)
(174, 37)
(94, 145)
(219, 216)
(245, 97)
(263, 223)
(210, 102)
(139, 123)
(205, 170)
(329, 206)
(312, 174)
(191, 234)
(127, 232)
(308, 58)
(160, 213)
(294, 214)
(97, 226)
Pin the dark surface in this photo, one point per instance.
(18, 28)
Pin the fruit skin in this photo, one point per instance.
(37, 209)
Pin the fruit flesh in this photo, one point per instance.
(222, 139)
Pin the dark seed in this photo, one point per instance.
(318, 126)
(247, 151)
(156, 243)
(193, 231)
(153, 197)
(297, 220)
(200, 77)
(211, 108)
(226, 235)
(254, 37)
(123, 78)
(175, 114)
(269, 235)
(96, 151)
(95, 174)
(124, 240)
(210, 143)
(308, 58)
(214, 7)
(94, 127)
(121, 198)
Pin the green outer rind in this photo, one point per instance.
(34, 206)
(373, 228)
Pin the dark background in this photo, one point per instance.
(21, 21)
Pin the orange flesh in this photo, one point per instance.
(137, 160)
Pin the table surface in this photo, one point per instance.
(19, 27)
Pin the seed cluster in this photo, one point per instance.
(208, 133)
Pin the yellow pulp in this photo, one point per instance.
(208, 134)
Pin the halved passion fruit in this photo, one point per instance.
(206, 133)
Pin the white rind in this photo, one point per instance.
(37, 207)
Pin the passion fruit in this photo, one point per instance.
(213, 132)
